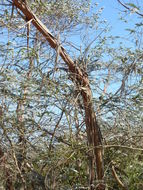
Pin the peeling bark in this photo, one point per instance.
(92, 128)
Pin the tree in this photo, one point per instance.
(80, 79)
(48, 109)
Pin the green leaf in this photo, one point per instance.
(132, 5)
(139, 24)
(131, 30)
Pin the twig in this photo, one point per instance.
(129, 8)
(117, 178)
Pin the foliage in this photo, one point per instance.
(42, 120)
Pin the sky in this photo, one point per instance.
(111, 12)
(118, 28)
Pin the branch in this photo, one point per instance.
(126, 7)
(117, 178)
(120, 146)
(53, 42)
(80, 78)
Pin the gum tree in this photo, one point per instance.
(23, 12)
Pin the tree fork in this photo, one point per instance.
(93, 134)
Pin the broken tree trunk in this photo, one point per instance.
(92, 128)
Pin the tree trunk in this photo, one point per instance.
(94, 140)
(92, 128)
